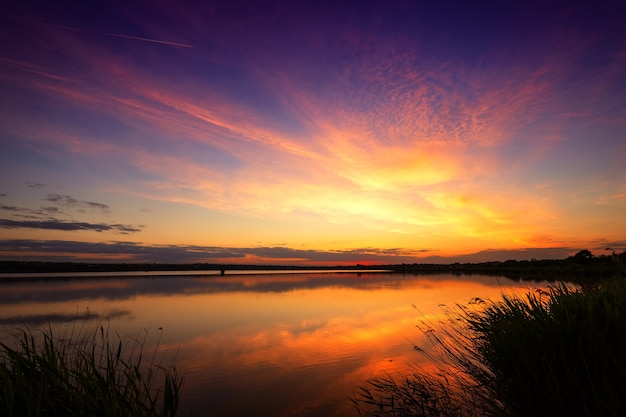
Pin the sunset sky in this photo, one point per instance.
(311, 132)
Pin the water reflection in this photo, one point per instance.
(275, 345)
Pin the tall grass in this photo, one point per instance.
(85, 373)
(560, 352)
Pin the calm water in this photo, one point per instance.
(282, 344)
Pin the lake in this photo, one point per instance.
(256, 343)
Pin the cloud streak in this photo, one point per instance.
(136, 252)
(67, 226)
(66, 200)
(40, 219)
(20, 249)
(115, 35)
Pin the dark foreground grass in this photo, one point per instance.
(85, 373)
(560, 352)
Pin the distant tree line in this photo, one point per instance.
(581, 267)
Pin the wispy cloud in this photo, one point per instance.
(67, 226)
(116, 35)
(137, 252)
(45, 217)
(67, 201)
(610, 245)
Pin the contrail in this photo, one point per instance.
(117, 35)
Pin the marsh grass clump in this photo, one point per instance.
(558, 352)
(416, 394)
(461, 385)
(85, 373)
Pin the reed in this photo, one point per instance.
(556, 352)
(85, 373)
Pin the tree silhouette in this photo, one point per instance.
(583, 256)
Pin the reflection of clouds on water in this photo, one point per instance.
(276, 342)
(51, 318)
(328, 357)
(308, 326)
(18, 291)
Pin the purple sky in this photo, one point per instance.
(311, 132)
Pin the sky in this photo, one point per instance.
(311, 132)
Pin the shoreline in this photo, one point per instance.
(573, 268)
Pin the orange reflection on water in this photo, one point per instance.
(285, 344)
(330, 337)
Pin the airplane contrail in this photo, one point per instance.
(117, 35)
